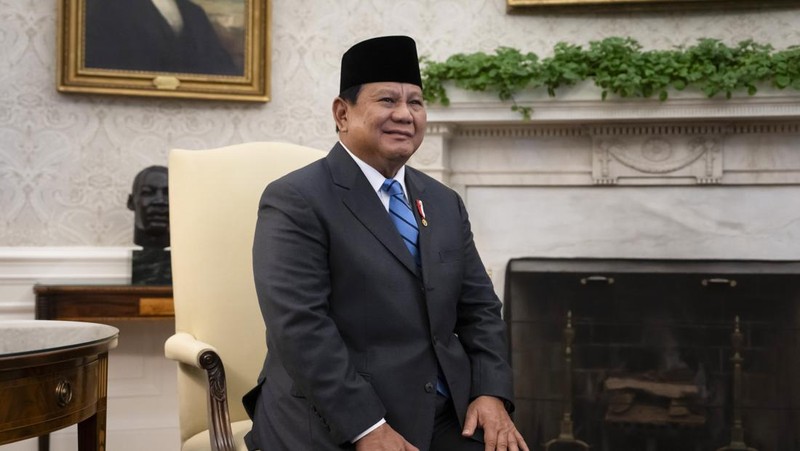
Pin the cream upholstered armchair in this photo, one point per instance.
(213, 196)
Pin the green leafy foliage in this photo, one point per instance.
(618, 66)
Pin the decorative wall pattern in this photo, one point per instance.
(67, 161)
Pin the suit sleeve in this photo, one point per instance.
(480, 326)
(290, 262)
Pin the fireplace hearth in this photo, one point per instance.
(654, 355)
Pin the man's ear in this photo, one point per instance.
(340, 110)
(130, 202)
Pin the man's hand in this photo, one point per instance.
(384, 438)
(499, 432)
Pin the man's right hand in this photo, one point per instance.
(384, 438)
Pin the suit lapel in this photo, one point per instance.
(358, 196)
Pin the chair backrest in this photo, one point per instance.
(213, 197)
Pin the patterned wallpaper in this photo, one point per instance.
(67, 161)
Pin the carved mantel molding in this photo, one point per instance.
(583, 104)
(577, 140)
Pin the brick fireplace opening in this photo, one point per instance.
(628, 354)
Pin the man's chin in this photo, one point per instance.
(401, 150)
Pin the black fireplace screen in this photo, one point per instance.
(651, 355)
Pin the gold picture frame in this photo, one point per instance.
(529, 6)
(220, 51)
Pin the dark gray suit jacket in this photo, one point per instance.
(354, 330)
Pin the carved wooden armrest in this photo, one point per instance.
(184, 348)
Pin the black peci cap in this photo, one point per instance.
(387, 58)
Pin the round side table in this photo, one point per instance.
(54, 374)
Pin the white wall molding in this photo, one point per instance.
(43, 261)
(23, 267)
(15, 309)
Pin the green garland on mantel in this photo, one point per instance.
(618, 66)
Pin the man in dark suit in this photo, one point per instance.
(379, 338)
(136, 35)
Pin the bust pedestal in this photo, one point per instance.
(151, 266)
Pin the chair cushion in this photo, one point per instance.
(202, 441)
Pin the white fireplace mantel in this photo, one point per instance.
(689, 178)
(578, 139)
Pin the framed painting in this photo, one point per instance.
(201, 49)
(528, 6)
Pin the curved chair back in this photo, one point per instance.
(213, 197)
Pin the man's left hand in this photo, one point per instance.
(499, 432)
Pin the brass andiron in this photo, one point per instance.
(566, 440)
(737, 432)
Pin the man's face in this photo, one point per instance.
(152, 203)
(385, 126)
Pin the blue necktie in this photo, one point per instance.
(402, 217)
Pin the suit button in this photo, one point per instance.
(429, 387)
(435, 339)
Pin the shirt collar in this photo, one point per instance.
(374, 177)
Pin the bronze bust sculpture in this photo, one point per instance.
(149, 200)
